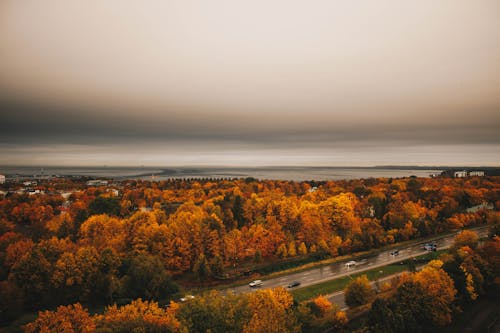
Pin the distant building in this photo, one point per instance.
(313, 189)
(2, 179)
(97, 182)
(483, 206)
(66, 195)
(460, 174)
(476, 173)
(33, 192)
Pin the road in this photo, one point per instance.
(336, 270)
(338, 297)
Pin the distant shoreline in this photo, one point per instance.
(295, 173)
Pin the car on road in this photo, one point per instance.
(256, 283)
(186, 298)
(430, 247)
(351, 263)
(294, 284)
(395, 253)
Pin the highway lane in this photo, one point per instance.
(336, 270)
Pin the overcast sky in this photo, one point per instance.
(323, 82)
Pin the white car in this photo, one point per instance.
(186, 298)
(351, 263)
(256, 283)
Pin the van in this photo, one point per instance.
(256, 283)
(351, 263)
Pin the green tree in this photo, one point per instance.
(358, 292)
(147, 278)
(32, 275)
(237, 211)
(213, 312)
(201, 267)
(383, 319)
(11, 301)
(105, 205)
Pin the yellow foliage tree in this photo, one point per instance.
(271, 312)
(140, 316)
(66, 319)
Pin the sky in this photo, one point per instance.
(250, 83)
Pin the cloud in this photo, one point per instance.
(276, 79)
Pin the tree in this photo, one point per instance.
(147, 277)
(382, 319)
(271, 312)
(466, 238)
(139, 316)
(358, 292)
(440, 288)
(201, 268)
(32, 275)
(101, 231)
(302, 250)
(321, 314)
(216, 313)
(292, 252)
(11, 301)
(67, 277)
(282, 251)
(321, 305)
(217, 266)
(105, 205)
(422, 301)
(412, 308)
(237, 211)
(16, 250)
(66, 319)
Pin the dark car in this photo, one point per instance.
(395, 253)
(294, 284)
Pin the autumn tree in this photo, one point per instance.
(320, 313)
(101, 231)
(32, 275)
(66, 319)
(139, 316)
(423, 300)
(466, 238)
(358, 292)
(438, 285)
(271, 311)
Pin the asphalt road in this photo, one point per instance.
(338, 297)
(337, 270)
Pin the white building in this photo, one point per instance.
(460, 174)
(476, 173)
(97, 182)
(2, 179)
